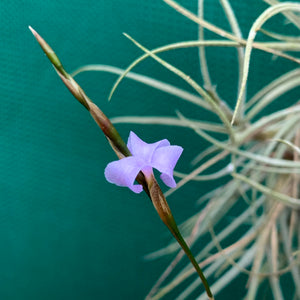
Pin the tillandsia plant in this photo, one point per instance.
(258, 154)
(136, 159)
(257, 149)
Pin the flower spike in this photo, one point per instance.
(137, 158)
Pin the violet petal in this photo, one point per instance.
(143, 150)
(164, 160)
(124, 171)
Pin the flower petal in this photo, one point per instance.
(164, 160)
(124, 171)
(139, 148)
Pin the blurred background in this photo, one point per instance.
(65, 232)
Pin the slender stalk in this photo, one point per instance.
(176, 233)
(163, 209)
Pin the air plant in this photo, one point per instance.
(259, 155)
(136, 159)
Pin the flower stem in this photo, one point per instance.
(176, 233)
(164, 211)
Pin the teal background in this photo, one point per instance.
(65, 232)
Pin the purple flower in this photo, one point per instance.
(159, 155)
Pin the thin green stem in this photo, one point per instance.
(160, 203)
(176, 233)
